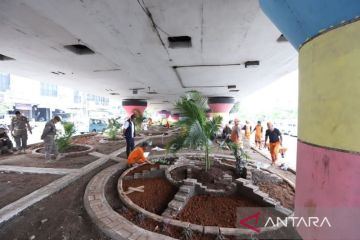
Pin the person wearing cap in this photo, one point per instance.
(129, 133)
(19, 127)
(258, 134)
(48, 136)
(275, 140)
(137, 155)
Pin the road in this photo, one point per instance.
(290, 143)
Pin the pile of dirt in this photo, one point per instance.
(282, 192)
(158, 192)
(214, 210)
(88, 139)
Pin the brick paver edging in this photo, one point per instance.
(105, 218)
(240, 232)
(70, 154)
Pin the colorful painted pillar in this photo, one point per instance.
(221, 106)
(327, 36)
(132, 106)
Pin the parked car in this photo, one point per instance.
(91, 125)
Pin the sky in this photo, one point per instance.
(281, 96)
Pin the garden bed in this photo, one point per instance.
(66, 162)
(72, 151)
(16, 185)
(158, 192)
(64, 212)
(282, 192)
(214, 211)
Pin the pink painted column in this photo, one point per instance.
(221, 106)
(132, 106)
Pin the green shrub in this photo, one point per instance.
(63, 140)
(112, 128)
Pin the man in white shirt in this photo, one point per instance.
(129, 133)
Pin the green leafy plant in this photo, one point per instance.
(112, 128)
(196, 130)
(63, 140)
(187, 234)
(138, 120)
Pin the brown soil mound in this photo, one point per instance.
(158, 192)
(214, 211)
(281, 192)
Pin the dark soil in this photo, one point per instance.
(15, 185)
(142, 168)
(109, 147)
(282, 192)
(87, 139)
(158, 192)
(214, 211)
(207, 178)
(65, 214)
(67, 162)
(71, 149)
(147, 223)
(179, 174)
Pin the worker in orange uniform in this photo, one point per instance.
(275, 140)
(137, 155)
(236, 133)
(247, 128)
(258, 134)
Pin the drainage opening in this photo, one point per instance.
(79, 49)
(179, 42)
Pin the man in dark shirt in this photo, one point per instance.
(275, 140)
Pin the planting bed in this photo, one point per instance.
(67, 162)
(158, 192)
(16, 185)
(60, 216)
(214, 211)
(282, 192)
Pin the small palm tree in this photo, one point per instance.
(196, 129)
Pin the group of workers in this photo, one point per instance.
(19, 129)
(273, 134)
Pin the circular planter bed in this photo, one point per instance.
(168, 202)
(73, 151)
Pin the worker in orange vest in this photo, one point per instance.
(258, 134)
(247, 128)
(137, 155)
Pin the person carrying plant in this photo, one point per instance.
(129, 133)
(275, 140)
(48, 136)
(137, 156)
(19, 127)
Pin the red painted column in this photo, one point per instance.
(133, 105)
(221, 106)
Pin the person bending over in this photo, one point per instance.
(137, 155)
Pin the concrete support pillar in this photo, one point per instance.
(327, 35)
(133, 105)
(221, 106)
